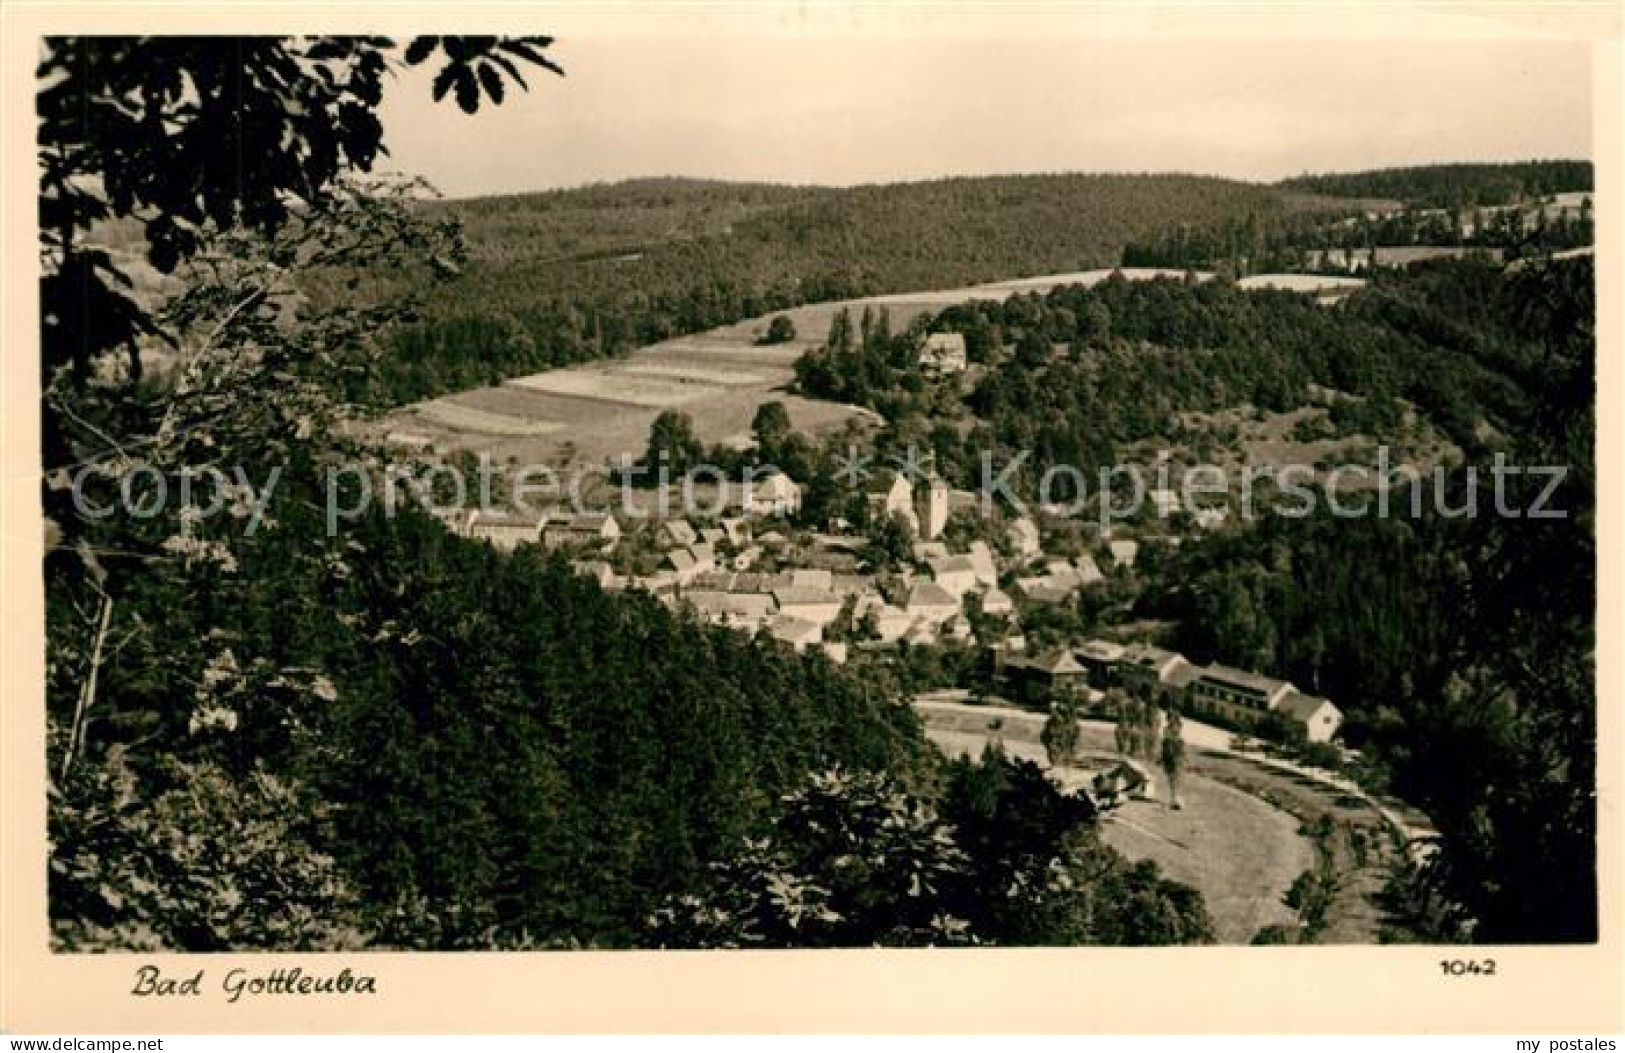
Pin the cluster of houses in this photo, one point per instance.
(715, 570)
(1232, 696)
(816, 593)
(509, 530)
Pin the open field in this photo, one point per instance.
(1315, 283)
(1357, 845)
(462, 417)
(1239, 851)
(610, 385)
(1239, 837)
(692, 374)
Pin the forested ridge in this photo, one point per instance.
(1497, 208)
(573, 275)
(1453, 185)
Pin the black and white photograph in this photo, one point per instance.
(758, 490)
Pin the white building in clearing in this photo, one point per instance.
(943, 353)
(778, 494)
(1124, 551)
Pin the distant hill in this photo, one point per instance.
(1452, 185)
(569, 276)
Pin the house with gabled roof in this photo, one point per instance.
(982, 564)
(1235, 695)
(811, 578)
(589, 529)
(596, 570)
(692, 563)
(679, 533)
(891, 623)
(931, 602)
(890, 494)
(995, 601)
(737, 529)
(777, 494)
(505, 530)
(1100, 658)
(1152, 669)
(819, 606)
(1047, 589)
(797, 632)
(737, 610)
(1319, 719)
(936, 507)
(1124, 551)
(1053, 670)
(1087, 570)
(956, 574)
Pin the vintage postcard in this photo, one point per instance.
(810, 517)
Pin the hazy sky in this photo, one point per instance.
(841, 110)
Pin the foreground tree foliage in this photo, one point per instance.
(1001, 857)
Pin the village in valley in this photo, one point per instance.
(1091, 557)
(970, 603)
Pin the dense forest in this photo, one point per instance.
(573, 275)
(1304, 244)
(1077, 376)
(1490, 207)
(1458, 640)
(1463, 646)
(272, 726)
(1453, 185)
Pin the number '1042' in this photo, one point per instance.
(1467, 966)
